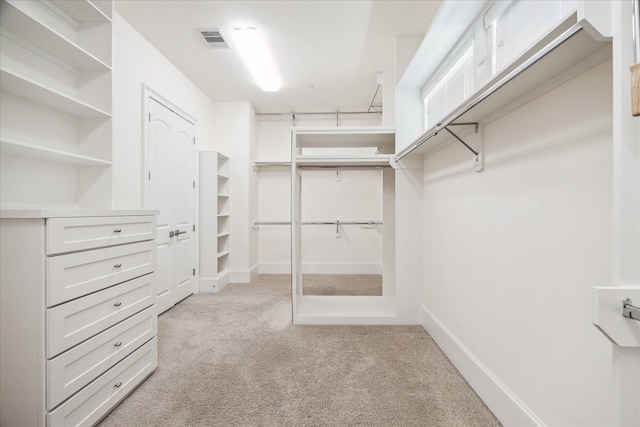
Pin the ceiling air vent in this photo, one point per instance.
(214, 38)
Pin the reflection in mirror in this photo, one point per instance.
(342, 284)
(341, 232)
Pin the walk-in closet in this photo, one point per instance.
(309, 212)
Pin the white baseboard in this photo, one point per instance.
(285, 268)
(245, 276)
(214, 284)
(501, 401)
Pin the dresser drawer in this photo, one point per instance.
(74, 275)
(75, 234)
(73, 369)
(93, 402)
(71, 323)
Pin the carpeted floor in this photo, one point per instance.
(342, 284)
(235, 359)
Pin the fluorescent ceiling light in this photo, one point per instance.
(255, 54)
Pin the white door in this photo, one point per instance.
(171, 191)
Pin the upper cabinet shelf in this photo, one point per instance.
(42, 37)
(20, 87)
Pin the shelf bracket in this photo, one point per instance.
(477, 154)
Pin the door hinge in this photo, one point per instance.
(194, 140)
(149, 175)
(194, 271)
(194, 184)
(194, 227)
(149, 116)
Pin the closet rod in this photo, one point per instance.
(257, 224)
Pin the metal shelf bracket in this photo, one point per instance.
(478, 161)
(630, 311)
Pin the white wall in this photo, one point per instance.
(138, 63)
(226, 127)
(510, 254)
(358, 195)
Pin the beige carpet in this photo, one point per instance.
(235, 359)
(342, 284)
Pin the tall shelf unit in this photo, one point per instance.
(215, 220)
(55, 97)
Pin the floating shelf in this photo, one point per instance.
(223, 253)
(18, 148)
(224, 234)
(23, 88)
(38, 34)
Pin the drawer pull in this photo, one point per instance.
(118, 384)
(118, 344)
(118, 265)
(117, 230)
(118, 304)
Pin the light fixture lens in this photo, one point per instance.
(256, 55)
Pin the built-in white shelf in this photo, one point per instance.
(32, 151)
(31, 30)
(81, 10)
(56, 91)
(371, 136)
(26, 89)
(260, 165)
(214, 221)
(345, 162)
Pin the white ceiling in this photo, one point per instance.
(336, 46)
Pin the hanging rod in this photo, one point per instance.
(337, 114)
(258, 223)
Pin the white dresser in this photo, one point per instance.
(78, 320)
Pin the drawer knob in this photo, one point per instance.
(118, 384)
(118, 304)
(118, 344)
(118, 265)
(117, 230)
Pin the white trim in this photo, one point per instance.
(147, 93)
(213, 284)
(307, 268)
(245, 276)
(506, 406)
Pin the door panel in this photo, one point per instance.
(171, 191)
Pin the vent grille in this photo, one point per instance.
(214, 38)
